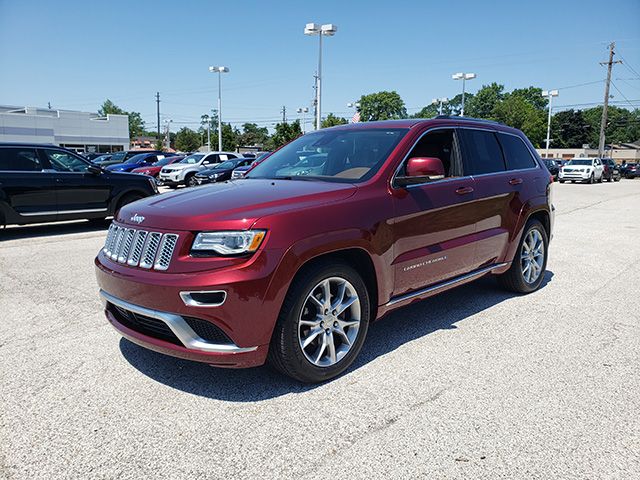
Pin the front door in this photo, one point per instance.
(78, 191)
(434, 222)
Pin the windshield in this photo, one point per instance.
(162, 162)
(331, 155)
(118, 156)
(191, 159)
(579, 162)
(137, 158)
(226, 165)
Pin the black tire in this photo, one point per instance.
(190, 180)
(591, 180)
(616, 179)
(601, 179)
(561, 181)
(285, 352)
(513, 279)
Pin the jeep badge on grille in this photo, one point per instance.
(137, 218)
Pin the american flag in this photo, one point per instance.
(355, 118)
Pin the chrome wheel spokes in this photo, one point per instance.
(329, 321)
(532, 256)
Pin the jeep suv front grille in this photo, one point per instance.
(139, 247)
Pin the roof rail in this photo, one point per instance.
(470, 119)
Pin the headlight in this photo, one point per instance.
(214, 176)
(229, 243)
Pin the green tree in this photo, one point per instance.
(285, 132)
(429, 111)
(136, 124)
(187, 140)
(252, 135)
(482, 104)
(229, 138)
(532, 95)
(623, 126)
(331, 121)
(517, 112)
(570, 129)
(382, 106)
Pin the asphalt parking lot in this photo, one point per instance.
(474, 383)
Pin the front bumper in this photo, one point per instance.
(170, 178)
(204, 180)
(574, 176)
(188, 345)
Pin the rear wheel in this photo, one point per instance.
(530, 262)
(322, 324)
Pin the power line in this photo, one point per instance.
(623, 96)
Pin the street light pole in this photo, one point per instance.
(321, 30)
(464, 77)
(303, 111)
(441, 102)
(550, 94)
(220, 71)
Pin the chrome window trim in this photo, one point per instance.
(189, 301)
(179, 327)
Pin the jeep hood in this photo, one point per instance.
(230, 205)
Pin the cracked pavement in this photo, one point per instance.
(474, 383)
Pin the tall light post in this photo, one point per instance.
(327, 30)
(356, 116)
(220, 71)
(206, 117)
(440, 101)
(167, 124)
(303, 111)
(549, 94)
(464, 77)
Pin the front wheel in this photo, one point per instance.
(191, 181)
(322, 324)
(592, 179)
(530, 262)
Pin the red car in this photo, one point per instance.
(154, 170)
(292, 263)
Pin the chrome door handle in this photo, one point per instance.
(464, 190)
(515, 181)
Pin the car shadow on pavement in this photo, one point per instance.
(51, 229)
(440, 312)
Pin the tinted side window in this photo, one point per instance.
(482, 153)
(19, 159)
(517, 153)
(65, 162)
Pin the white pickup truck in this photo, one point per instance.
(183, 172)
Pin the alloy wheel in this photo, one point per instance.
(532, 256)
(329, 322)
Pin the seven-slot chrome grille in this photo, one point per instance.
(140, 248)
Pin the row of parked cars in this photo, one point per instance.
(590, 170)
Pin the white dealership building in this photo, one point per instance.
(79, 131)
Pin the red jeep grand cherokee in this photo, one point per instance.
(330, 233)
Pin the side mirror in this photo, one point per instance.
(421, 170)
(94, 170)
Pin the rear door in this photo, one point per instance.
(26, 188)
(495, 191)
(79, 192)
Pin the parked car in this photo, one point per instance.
(137, 161)
(293, 269)
(630, 170)
(587, 170)
(154, 170)
(101, 158)
(44, 183)
(183, 172)
(123, 156)
(552, 166)
(240, 172)
(221, 171)
(611, 170)
(92, 156)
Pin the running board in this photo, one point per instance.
(443, 285)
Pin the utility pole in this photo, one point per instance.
(603, 121)
(158, 112)
(284, 114)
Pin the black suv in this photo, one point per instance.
(45, 183)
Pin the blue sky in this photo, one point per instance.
(77, 53)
